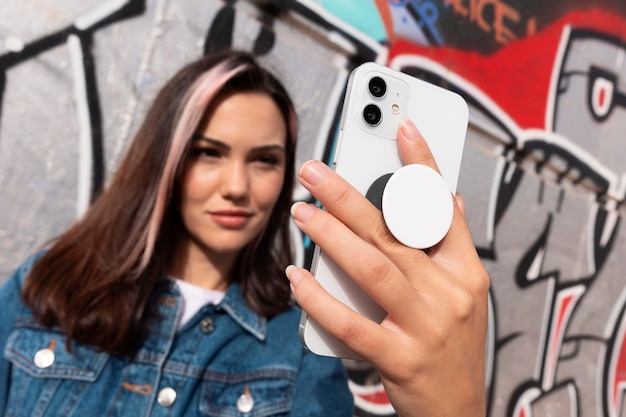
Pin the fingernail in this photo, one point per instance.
(460, 201)
(313, 172)
(293, 275)
(302, 211)
(409, 131)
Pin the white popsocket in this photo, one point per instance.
(417, 206)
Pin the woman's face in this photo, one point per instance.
(234, 174)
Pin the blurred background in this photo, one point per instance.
(543, 172)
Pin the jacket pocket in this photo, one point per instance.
(46, 379)
(42, 353)
(259, 393)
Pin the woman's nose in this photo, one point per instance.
(235, 181)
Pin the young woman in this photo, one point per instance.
(168, 297)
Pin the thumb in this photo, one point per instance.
(413, 147)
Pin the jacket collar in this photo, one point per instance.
(238, 308)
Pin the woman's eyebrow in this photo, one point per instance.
(223, 145)
(270, 148)
(211, 141)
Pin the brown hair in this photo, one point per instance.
(96, 280)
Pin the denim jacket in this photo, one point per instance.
(226, 361)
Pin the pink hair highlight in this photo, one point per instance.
(196, 102)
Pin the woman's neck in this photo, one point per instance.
(202, 268)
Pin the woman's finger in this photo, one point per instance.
(413, 147)
(361, 335)
(345, 202)
(374, 271)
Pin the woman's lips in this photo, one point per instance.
(231, 219)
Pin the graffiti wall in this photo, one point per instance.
(544, 166)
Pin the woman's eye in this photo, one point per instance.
(269, 159)
(205, 153)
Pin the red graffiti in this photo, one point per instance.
(503, 16)
(520, 68)
(617, 372)
(564, 305)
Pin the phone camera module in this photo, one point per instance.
(372, 114)
(377, 87)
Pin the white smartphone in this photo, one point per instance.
(366, 155)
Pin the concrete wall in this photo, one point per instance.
(543, 169)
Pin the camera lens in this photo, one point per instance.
(377, 87)
(372, 114)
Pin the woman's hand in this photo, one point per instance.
(430, 349)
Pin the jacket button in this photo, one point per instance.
(207, 325)
(44, 358)
(245, 402)
(167, 397)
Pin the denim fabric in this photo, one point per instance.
(223, 352)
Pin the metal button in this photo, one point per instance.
(207, 325)
(44, 358)
(245, 402)
(167, 397)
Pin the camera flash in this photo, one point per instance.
(395, 109)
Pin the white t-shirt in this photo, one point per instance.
(194, 298)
